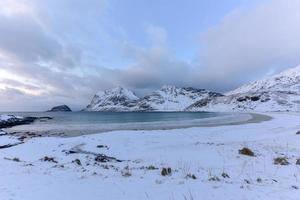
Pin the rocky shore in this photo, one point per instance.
(7, 121)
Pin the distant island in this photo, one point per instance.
(60, 108)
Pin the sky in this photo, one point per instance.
(63, 51)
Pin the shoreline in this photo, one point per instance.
(205, 162)
(77, 130)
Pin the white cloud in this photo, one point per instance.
(250, 43)
(53, 49)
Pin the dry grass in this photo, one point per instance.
(246, 151)
(281, 161)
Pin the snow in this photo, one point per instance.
(276, 93)
(205, 152)
(168, 98)
(7, 117)
(267, 102)
(288, 80)
(113, 99)
(7, 140)
(118, 91)
(171, 98)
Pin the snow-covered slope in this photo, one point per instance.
(250, 101)
(168, 98)
(276, 93)
(171, 98)
(8, 117)
(116, 99)
(288, 81)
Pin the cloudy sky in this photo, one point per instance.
(63, 51)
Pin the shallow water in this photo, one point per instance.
(116, 117)
(79, 123)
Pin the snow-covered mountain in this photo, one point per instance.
(168, 98)
(171, 98)
(116, 99)
(288, 81)
(280, 92)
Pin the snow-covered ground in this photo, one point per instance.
(205, 164)
(8, 117)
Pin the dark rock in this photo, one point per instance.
(295, 187)
(201, 103)
(104, 158)
(10, 145)
(225, 175)
(77, 161)
(259, 180)
(192, 176)
(49, 159)
(14, 121)
(255, 98)
(241, 99)
(61, 108)
(214, 178)
(27, 135)
(151, 167)
(102, 146)
(166, 171)
(98, 157)
(15, 159)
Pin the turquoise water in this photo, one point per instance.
(116, 117)
(80, 123)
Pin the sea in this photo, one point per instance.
(79, 123)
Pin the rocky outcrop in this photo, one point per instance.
(7, 121)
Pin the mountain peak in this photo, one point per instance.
(114, 99)
(168, 98)
(117, 92)
(279, 92)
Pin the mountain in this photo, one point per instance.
(116, 99)
(61, 108)
(168, 98)
(288, 81)
(171, 98)
(280, 92)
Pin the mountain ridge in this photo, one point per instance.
(168, 98)
(280, 92)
